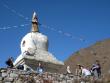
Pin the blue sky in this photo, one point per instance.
(82, 19)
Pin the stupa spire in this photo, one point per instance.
(34, 23)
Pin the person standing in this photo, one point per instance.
(9, 62)
(40, 69)
(68, 70)
(96, 70)
(78, 70)
(85, 74)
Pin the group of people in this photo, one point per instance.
(83, 72)
(9, 64)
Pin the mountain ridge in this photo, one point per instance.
(87, 56)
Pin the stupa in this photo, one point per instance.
(34, 49)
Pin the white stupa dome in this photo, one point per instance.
(37, 45)
(34, 41)
(34, 48)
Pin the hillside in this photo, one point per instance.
(87, 56)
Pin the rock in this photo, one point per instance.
(8, 79)
(1, 78)
(4, 74)
(13, 75)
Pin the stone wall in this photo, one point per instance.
(20, 76)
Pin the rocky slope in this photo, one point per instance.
(87, 56)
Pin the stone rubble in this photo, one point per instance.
(8, 75)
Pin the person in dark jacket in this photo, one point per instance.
(9, 62)
(96, 69)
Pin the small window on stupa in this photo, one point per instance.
(23, 44)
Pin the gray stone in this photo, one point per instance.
(13, 75)
(18, 81)
(3, 70)
(1, 78)
(8, 79)
(1, 81)
(4, 74)
(8, 82)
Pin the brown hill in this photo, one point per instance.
(87, 56)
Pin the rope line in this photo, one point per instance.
(10, 27)
(42, 25)
(15, 12)
(63, 33)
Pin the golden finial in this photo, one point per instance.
(34, 23)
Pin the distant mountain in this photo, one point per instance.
(87, 56)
